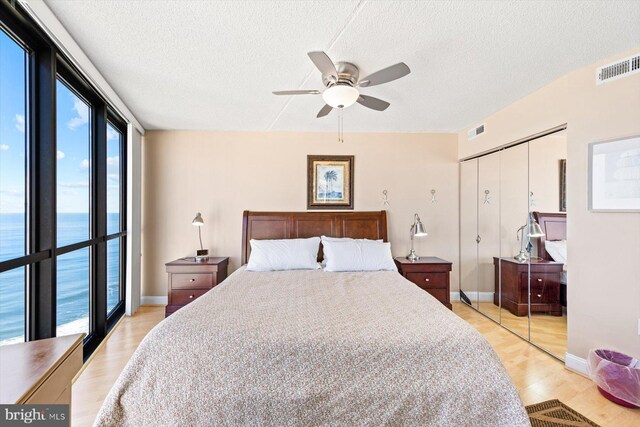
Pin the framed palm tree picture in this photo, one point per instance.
(329, 182)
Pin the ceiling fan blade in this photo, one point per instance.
(324, 64)
(385, 75)
(373, 103)
(296, 92)
(324, 111)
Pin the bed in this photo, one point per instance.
(554, 226)
(289, 348)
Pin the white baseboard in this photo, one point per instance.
(154, 300)
(482, 296)
(576, 364)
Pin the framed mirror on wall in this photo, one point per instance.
(513, 238)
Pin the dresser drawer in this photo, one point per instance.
(545, 288)
(185, 296)
(429, 280)
(191, 281)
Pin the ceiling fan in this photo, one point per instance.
(342, 80)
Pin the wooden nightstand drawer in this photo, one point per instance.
(191, 281)
(441, 294)
(430, 274)
(185, 296)
(429, 280)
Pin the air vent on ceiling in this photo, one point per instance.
(623, 68)
(475, 131)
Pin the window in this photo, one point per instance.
(13, 178)
(113, 274)
(12, 306)
(62, 194)
(114, 148)
(72, 293)
(73, 166)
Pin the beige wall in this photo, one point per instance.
(603, 248)
(222, 174)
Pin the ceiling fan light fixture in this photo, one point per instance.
(340, 96)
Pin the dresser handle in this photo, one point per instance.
(426, 280)
(192, 280)
(191, 296)
(539, 280)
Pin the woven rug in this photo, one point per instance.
(554, 413)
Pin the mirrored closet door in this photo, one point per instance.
(513, 238)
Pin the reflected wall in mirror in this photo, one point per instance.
(548, 280)
(469, 232)
(489, 230)
(513, 282)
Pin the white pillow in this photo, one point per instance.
(340, 239)
(287, 254)
(358, 255)
(557, 249)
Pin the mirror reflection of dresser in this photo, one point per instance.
(513, 238)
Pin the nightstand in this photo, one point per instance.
(430, 274)
(189, 280)
(545, 286)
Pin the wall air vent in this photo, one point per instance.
(475, 132)
(619, 69)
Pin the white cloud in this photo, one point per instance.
(113, 169)
(82, 110)
(20, 122)
(12, 201)
(74, 184)
(111, 133)
(84, 164)
(113, 161)
(4, 147)
(60, 155)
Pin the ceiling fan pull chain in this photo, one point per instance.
(340, 125)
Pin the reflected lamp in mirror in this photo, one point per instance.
(202, 254)
(416, 230)
(532, 229)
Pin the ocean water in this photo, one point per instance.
(72, 306)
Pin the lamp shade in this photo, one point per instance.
(198, 221)
(418, 230)
(340, 96)
(534, 229)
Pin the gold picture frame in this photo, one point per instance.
(329, 182)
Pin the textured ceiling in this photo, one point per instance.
(213, 64)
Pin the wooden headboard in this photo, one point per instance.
(292, 225)
(554, 226)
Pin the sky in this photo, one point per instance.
(72, 139)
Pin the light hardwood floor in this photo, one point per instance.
(537, 375)
(548, 332)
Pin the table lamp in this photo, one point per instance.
(416, 230)
(533, 230)
(202, 254)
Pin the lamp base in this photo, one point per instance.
(522, 257)
(202, 255)
(413, 256)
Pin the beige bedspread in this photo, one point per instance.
(309, 348)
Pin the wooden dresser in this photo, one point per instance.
(545, 286)
(189, 280)
(430, 274)
(40, 372)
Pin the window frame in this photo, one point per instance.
(45, 64)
